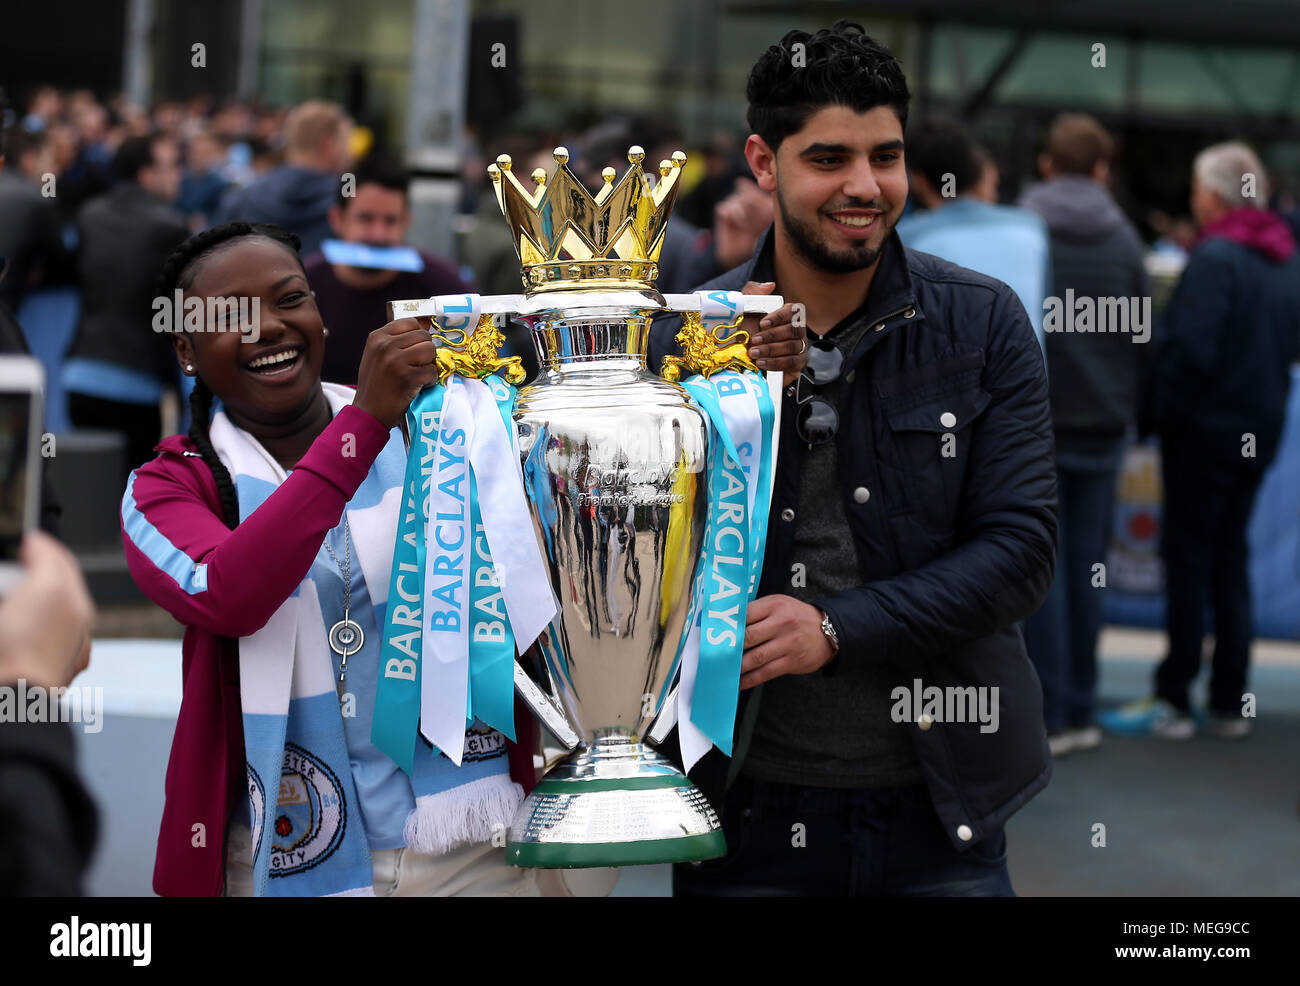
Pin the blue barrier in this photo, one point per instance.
(1134, 596)
(49, 319)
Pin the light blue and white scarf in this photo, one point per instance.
(308, 835)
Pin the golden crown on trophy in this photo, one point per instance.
(567, 239)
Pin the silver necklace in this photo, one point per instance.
(346, 636)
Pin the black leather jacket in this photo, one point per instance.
(953, 550)
(126, 235)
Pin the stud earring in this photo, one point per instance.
(326, 331)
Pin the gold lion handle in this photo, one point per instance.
(708, 351)
(474, 354)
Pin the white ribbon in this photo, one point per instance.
(719, 307)
(444, 665)
(507, 522)
(473, 436)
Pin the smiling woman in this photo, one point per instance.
(267, 533)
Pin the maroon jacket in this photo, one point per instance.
(222, 585)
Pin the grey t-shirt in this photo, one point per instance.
(812, 729)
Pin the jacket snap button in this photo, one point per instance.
(787, 515)
(850, 375)
(947, 419)
(909, 313)
(964, 833)
(924, 722)
(880, 326)
(862, 494)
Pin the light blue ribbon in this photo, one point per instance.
(763, 495)
(395, 730)
(722, 583)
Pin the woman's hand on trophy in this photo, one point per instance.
(782, 636)
(777, 341)
(400, 359)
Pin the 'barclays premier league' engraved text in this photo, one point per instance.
(633, 486)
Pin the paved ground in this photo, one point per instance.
(1201, 818)
(1204, 817)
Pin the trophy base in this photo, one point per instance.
(616, 803)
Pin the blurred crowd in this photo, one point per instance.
(94, 196)
(65, 146)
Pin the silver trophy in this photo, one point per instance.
(615, 463)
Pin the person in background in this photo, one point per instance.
(986, 188)
(1175, 235)
(738, 222)
(299, 194)
(44, 106)
(1217, 399)
(202, 185)
(490, 251)
(91, 171)
(118, 366)
(1092, 379)
(29, 222)
(353, 300)
(1004, 242)
(48, 823)
(686, 255)
(723, 164)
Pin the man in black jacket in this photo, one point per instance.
(29, 226)
(1217, 398)
(890, 721)
(1092, 372)
(118, 366)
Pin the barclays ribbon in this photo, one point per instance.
(723, 577)
(449, 652)
(397, 696)
(762, 447)
(741, 415)
(444, 669)
(526, 585)
(492, 637)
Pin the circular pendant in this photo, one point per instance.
(346, 637)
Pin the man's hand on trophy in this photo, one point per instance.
(782, 636)
(776, 342)
(400, 359)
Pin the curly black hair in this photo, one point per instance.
(837, 66)
(178, 272)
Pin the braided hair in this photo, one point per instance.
(178, 272)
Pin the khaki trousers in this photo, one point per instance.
(468, 871)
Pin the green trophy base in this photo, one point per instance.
(578, 818)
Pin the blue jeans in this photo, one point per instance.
(1061, 637)
(785, 840)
